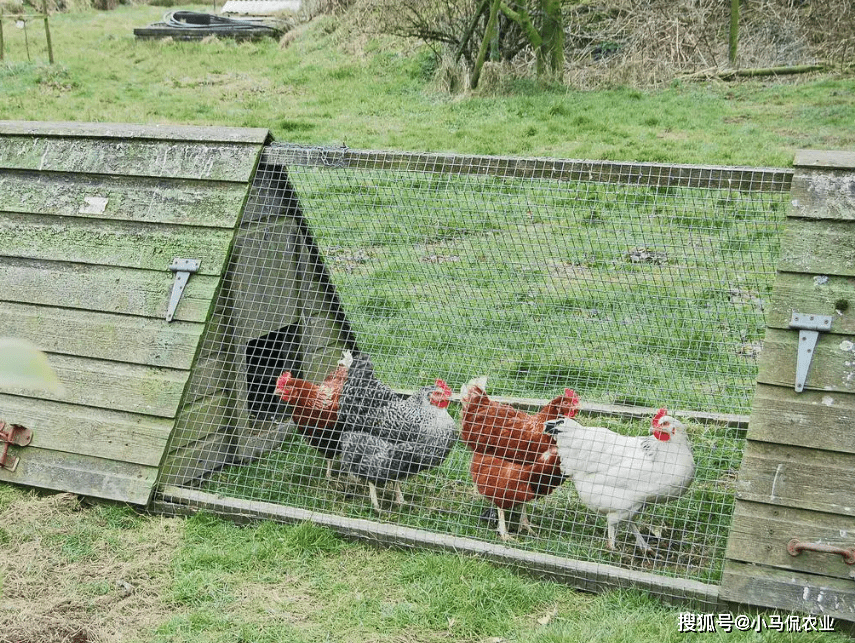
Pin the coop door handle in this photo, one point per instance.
(182, 268)
(796, 546)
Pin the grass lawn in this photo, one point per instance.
(96, 572)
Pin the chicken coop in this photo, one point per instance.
(183, 280)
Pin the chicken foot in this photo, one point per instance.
(372, 493)
(503, 528)
(639, 539)
(524, 523)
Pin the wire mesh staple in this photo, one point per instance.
(636, 287)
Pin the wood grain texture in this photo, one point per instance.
(797, 477)
(831, 159)
(107, 289)
(141, 157)
(85, 475)
(123, 198)
(761, 532)
(113, 243)
(146, 390)
(263, 280)
(106, 336)
(82, 430)
(131, 131)
(813, 294)
(812, 419)
(641, 174)
(203, 418)
(818, 194)
(186, 464)
(787, 591)
(818, 247)
(832, 367)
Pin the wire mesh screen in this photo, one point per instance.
(478, 348)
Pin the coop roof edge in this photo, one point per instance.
(195, 133)
(828, 159)
(742, 178)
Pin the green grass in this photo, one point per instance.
(315, 92)
(659, 297)
(269, 582)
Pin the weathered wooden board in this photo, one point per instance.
(832, 368)
(126, 244)
(122, 198)
(198, 421)
(641, 174)
(124, 387)
(91, 217)
(819, 247)
(263, 281)
(788, 592)
(813, 419)
(211, 375)
(85, 475)
(187, 463)
(135, 340)
(133, 131)
(813, 294)
(797, 477)
(761, 532)
(141, 157)
(827, 159)
(69, 428)
(818, 194)
(105, 289)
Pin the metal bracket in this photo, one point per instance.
(182, 268)
(12, 434)
(808, 327)
(795, 547)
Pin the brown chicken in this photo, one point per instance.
(315, 408)
(501, 430)
(509, 484)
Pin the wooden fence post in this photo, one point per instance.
(796, 486)
(734, 32)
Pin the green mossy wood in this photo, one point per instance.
(91, 216)
(798, 472)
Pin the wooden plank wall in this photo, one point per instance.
(797, 478)
(91, 216)
(275, 279)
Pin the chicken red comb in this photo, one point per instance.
(659, 415)
(440, 383)
(570, 394)
(282, 383)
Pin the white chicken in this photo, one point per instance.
(617, 475)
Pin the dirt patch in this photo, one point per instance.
(74, 575)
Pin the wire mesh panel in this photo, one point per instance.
(368, 287)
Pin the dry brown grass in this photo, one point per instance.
(65, 580)
(648, 43)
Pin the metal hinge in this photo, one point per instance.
(12, 434)
(182, 268)
(808, 327)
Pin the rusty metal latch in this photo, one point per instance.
(182, 268)
(808, 327)
(12, 434)
(796, 546)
